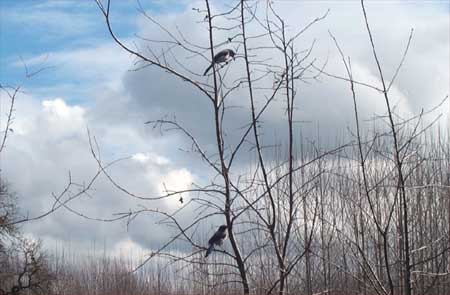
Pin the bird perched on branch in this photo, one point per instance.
(223, 56)
(217, 239)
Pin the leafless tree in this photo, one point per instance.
(354, 214)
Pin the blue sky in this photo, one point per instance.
(89, 84)
(38, 30)
(32, 28)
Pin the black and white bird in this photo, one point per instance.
(217, 239)
(223, 56)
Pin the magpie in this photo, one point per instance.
(217, 239)
(223, 56)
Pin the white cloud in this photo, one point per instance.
(128, 248)
(175, 180)
(145, 158)
(102, 64)
(63, 119)
(53, 141)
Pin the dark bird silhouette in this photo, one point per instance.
(223, 56)
(217, 239)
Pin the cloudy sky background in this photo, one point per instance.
(87, 83)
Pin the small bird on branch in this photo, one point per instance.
(217, 239)
(223, 56)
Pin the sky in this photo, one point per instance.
(84, 81)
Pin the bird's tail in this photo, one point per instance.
(210, 248)
(207, 70)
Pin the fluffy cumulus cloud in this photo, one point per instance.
(50, 141)
(92, 87)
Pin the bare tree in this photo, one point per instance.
(348, 213)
